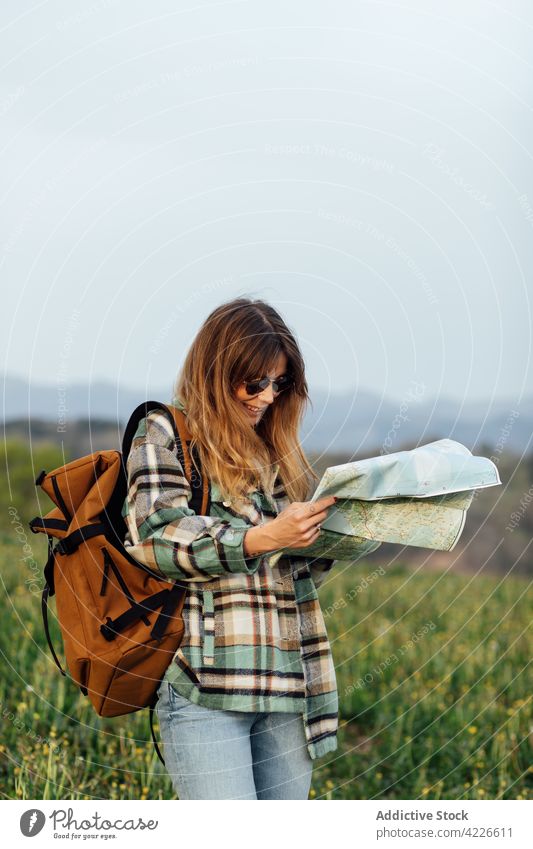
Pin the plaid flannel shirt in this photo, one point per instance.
(255, 638)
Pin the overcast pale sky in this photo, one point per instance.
(364, 166)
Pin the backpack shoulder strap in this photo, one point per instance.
(198, 481)
(139, 413)
(200, 486)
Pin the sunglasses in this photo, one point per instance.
(255, 387)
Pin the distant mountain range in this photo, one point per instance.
(362, 424)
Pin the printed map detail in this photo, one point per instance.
(417, 497)
(335, 546)
(434, 522)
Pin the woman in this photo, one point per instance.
(250, 698)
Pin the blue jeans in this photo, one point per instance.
(229, 754)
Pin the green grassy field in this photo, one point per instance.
(432, 671)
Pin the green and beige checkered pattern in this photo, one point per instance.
(254, 638)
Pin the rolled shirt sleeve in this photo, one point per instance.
(164, 533)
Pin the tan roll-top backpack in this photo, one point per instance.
(121, 622)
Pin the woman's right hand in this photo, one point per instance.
(294, 527)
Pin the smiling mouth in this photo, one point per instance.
(254, 410)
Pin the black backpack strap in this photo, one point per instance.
(70, 543)
(168, 608)
(47, 592)
(197, 480)
(200, 500)
(112, 514)
(47, 524)
(139, 413)
(44, 609)
(60, 500)
(152, 707)
(167, 599)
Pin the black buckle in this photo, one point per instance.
(61, 548)
(107, 631)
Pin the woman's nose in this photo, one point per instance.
(267, 395)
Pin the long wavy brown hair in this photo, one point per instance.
(241, 340)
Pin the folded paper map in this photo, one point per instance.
(418, 497)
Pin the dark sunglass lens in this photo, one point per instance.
(257, 386)
(282, 383)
